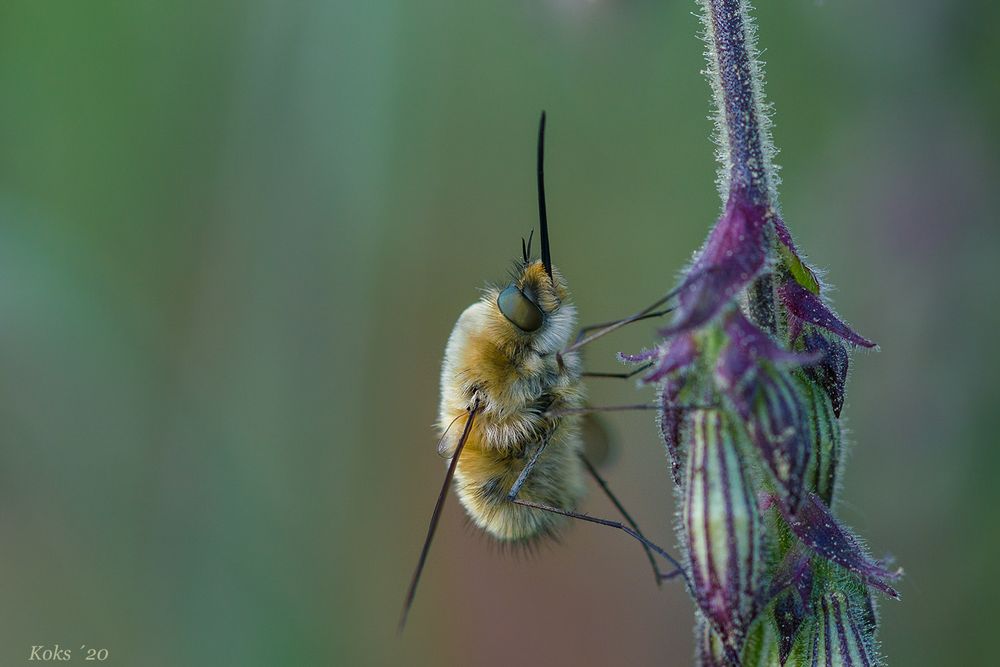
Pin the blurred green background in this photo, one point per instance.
(234, 237)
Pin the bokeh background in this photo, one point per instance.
(234, 237)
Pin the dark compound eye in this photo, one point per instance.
(519, 309)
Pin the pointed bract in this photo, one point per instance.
(789, 254)
(734, 254)
(808, 307)
(671, 422)
(816, 527)
(748, 346)
(645, 355)
(680, 353)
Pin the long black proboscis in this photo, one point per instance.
(543, 221)
(435, 516)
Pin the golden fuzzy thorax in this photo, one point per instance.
(517, 380)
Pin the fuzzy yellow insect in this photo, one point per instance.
(512, 379)
(502, 359)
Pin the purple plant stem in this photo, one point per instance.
(736, 74)
(746, 144)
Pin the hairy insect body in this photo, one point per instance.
(511, 400)
(521, 388)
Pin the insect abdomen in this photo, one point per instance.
(514, 395)
(483, 481)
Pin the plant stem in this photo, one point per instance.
(735, 74)
(743, 128)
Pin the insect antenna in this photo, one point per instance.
(543, 221)
(526, 247)
(435, 516)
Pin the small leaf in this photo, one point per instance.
(803, 276)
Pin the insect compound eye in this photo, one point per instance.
(519, 309)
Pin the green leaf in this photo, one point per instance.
(798, 269)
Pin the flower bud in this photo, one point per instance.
(838, 639)
(751, 372)
(824, 430)
(709, 651)
(762, 648)
(722, 529)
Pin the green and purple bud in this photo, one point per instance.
(750, 372)
(709, 648)
(824, 430)
(839, 638)
(722, 529)
(670, 361)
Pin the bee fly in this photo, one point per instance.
(513, 381)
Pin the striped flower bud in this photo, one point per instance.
(709, 650)
(760, 650)
(824, 431)
(838, 638)
(750, 371)
(722, 529)
(751, 374)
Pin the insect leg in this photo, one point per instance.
(612, 524)
(553, 414)
(645, 313)
(523, 477)
(623, 376)
(621, 322)
(605, 329)
(436, 515)
(633, 531)
(621, 508)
